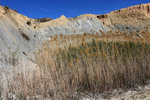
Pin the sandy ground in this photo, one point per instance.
(140, 94)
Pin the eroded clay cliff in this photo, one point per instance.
(130, 19)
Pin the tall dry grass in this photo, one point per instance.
(87, 65)
(96, 66)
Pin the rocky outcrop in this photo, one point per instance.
(129, 19)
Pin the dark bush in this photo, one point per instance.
(29, 23)
(6, 8)
(44, 19)
(102, 16)
(25, 36)
(15, 10)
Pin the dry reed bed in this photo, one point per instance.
(90, 63)
(76, 39)
(97, 66)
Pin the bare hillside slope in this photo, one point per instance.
(21, 35)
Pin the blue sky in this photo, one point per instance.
(69, 8)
